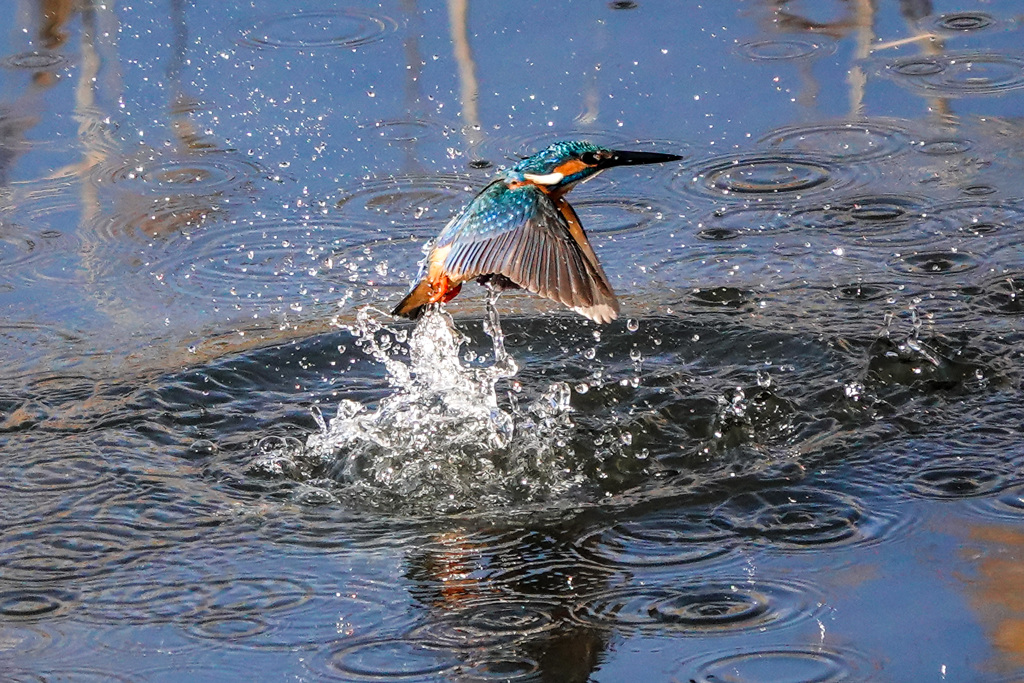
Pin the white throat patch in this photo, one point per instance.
(547, 179)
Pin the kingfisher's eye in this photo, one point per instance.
(590, 158)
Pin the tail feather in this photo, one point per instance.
(412, 305)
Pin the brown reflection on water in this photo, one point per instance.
(994, 589)
(469, 93)
(54, 16)
(518, 593)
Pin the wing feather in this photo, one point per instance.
(520, 233)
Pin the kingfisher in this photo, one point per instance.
(520, 232)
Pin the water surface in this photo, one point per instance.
(796, 456)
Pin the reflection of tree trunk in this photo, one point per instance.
(458, 13)
(87, 114)
(413, 73)
(864, 12)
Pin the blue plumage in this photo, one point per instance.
(521, 232)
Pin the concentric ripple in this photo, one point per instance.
(77, 674)
(959, 22)
(801, 518)
(25, 639)
(490, 622)
(260, 261)
(58, 470)
(67, 551)
(730, 223)
(302, 30)
(870, 219)
(191, 175)
(35, 60)
(228, 628)
(958, 74)
(954, 477)
(864, 291)
(768, 176)
(780, 665)
(663, 540)
(616, 216)
(32, 605)
(403, 130)
(408, 200)
(708, 608)
(1008, 505)
(944, 147)
(398, 659)
(30, 254)
(935, 262)
(224, 599)
(155, 218)
(974, 218)
(721, 297)
(785, 49)
(842, 141)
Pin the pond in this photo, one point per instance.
(795, 456)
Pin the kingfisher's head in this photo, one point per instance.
(563, 164)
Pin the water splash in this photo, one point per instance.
(442, 440)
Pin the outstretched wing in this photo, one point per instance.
(519, 232)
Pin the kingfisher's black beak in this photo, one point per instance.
(620, 158)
